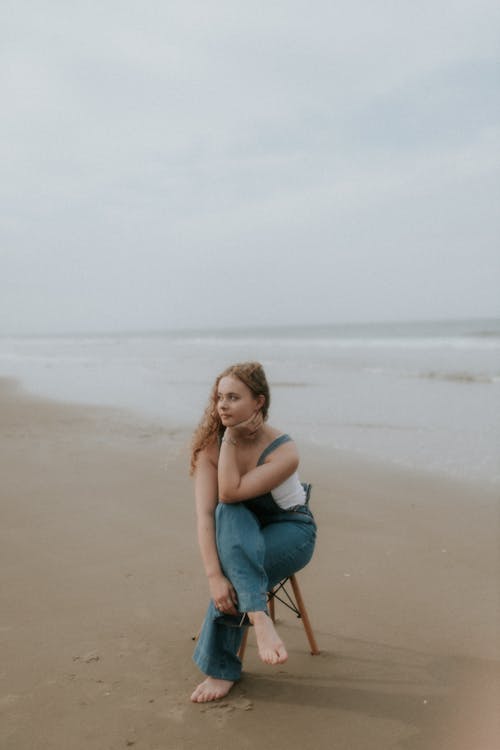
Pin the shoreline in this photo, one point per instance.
(102, 587)
(137, 416)
(413, 402)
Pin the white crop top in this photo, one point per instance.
(289, 493)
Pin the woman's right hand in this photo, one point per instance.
(248, 428)
(223, 595)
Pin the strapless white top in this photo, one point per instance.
(289, 493)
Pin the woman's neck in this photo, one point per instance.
(252, 440)
(260, 438)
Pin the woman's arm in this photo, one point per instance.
(235, 486)
(206, 492)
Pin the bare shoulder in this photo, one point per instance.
(286, 450)
(210, 454)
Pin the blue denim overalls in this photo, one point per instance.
(258, 544)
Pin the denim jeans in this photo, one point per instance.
(255, 554)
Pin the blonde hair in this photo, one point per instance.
(210, 427)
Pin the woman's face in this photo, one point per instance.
(235, 401)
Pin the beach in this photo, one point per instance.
(102, 589)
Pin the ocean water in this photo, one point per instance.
(422, 395)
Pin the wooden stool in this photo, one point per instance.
(295, 603)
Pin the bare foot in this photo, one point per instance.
(211, 689)
(271, 648)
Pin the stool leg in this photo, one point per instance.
(304, 616)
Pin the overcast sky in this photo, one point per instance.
(186, 164)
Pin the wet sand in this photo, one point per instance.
(101, 588)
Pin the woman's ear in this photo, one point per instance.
(261, 400)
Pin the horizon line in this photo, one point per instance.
(245, 327)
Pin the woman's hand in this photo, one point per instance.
(248, 428)
(223, 595)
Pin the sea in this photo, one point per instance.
(423, 395)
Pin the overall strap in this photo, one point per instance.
(272, 446)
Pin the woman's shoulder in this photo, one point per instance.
(273, 433)
(211, 451)
(278, 442)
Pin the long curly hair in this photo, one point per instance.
(210, 427)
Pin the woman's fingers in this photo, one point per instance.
(227, 601)
(251, 423)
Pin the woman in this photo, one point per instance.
(254, 526)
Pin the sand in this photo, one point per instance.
(101, 589)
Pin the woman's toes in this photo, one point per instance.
(282, 654)
(211, 689)
(271, 648)
(277, 655)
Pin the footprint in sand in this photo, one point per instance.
(242, 703)
(218, 711)
(221, 711)
(87, 658)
